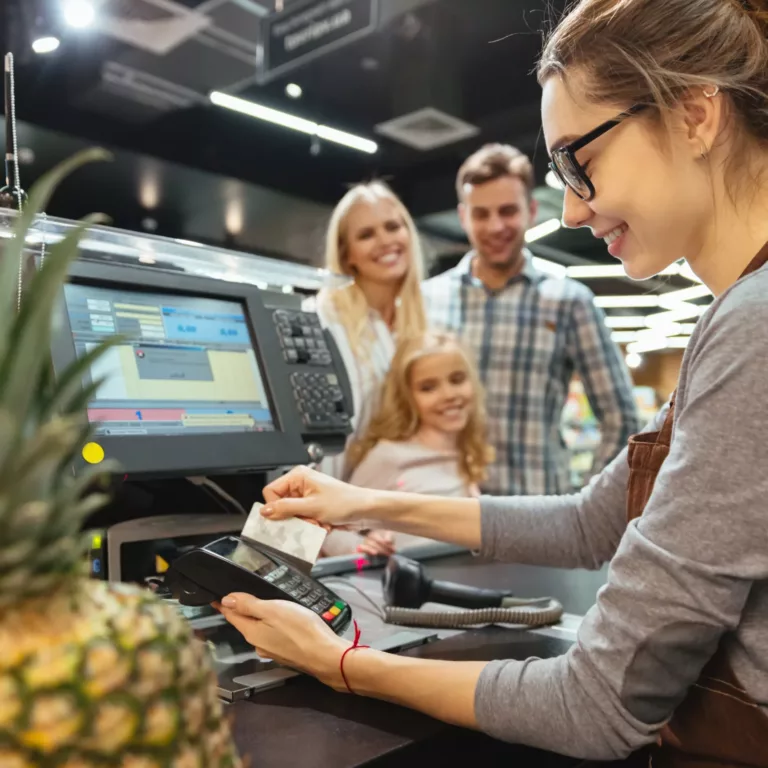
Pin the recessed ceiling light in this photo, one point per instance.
(47, 44)
(634, 360)
(294, 90)
(79, 13)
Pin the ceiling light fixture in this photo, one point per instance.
(294, 91)
(293, 122)
(644, 334)
(596, 271)
(658, 344)
(687, 272)
(624, 337)
(625, 321)
(587, 271)
(149, 191)
(79, 13)
(542, 230)
(634, 360)
(673, 299)
(649, 345)
(47, 44)
(549, 267)
(614, 302)
(234, 217)
(682, 311)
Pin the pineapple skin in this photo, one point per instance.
(98, 675)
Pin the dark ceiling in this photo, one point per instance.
(440, 55)
(142, 87)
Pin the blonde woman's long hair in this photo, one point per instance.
(397, 418)
(348, 304)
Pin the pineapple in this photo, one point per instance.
(91, 674)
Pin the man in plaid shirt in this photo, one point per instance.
(530, 332)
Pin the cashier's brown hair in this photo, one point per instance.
(397, 418)
(653, 52)
(348, 303)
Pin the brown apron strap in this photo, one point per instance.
(718, 725)
(760, 260)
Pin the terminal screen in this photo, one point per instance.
(187, 364)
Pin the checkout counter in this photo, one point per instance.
(219, 381)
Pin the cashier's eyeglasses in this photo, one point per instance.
(568, 169)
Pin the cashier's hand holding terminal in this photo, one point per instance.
(289, 634)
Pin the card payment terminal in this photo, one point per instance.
(232, 564)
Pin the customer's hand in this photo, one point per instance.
(312, 495)
(288, 633)
(378, 543)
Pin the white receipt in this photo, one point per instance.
(293, 537)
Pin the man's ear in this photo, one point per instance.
(533, 210)
(463, 213)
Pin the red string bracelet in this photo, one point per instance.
(354, 647)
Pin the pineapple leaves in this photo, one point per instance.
(13, 251)
(43, 420)
(29, 344)
(69, 394)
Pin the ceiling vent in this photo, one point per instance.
(157, 26)
(427, 129)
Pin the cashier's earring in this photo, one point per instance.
(704, 150)
(712, 92)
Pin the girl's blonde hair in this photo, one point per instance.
(397, 419)
(348, 304)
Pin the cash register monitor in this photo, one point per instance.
(195, 385)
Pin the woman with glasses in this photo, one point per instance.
(655, 115)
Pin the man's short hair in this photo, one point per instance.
(495, 161)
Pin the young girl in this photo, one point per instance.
(427, 436)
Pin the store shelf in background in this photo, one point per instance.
(581, 430)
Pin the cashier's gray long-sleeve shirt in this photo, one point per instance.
(691, 572)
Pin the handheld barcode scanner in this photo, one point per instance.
(406, 588)
(232, 564)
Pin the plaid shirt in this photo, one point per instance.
(529, 338)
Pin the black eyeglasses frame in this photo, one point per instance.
(568, 151)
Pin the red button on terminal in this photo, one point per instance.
(328, 616)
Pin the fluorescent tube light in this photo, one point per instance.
(293, 122)
(589, 271)
(625, 321)
(641, 300)
(542, 230)
(681, 312)
(624, 337)
(549, 267)
(673, 299)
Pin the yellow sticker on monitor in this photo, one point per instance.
(161, 565)
(93, 453)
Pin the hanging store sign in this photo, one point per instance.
(306, 31)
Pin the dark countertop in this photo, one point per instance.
(303, 724)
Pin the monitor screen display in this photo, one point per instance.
(187, 365)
